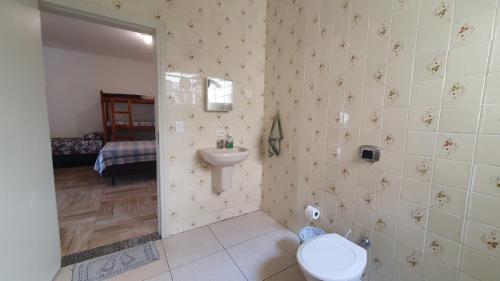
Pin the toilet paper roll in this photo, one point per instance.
(312, 213)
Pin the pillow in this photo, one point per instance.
(93, 136)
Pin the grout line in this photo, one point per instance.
(212, 253)
(242, 242)
(165, 253)
(404, 130)
(198, 258)
(327, 104)
(381, 172)
(341, 110)
(220, 250)
(232, 259)
(239, 243)
(361, 128)
(427, 233)
(286, 268)
(269, 235)
(407, 130)
(275, 242)
(264, 234)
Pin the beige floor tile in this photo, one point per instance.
(148, 271)
(188, 246)
(287, 240)
(292, 273)
(236, 230)
(260, 258)
(216, 267)
(198, 255)
(64, 274)
(264, 222)
(162, 277)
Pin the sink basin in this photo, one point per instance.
(224, 157)
(222, 162)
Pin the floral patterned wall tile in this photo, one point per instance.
(415, 191)
(486, 152)
(445, 225)
(476, 262)
(449, 200)
(483, 238)
(426, 93)
(421, 143)
(455, 147)
(468, 60)
(490, 120)
(452, 173)
(483, 208)
(418, 167)
(491, 95)
(421, 75)
(487, 180)
(441, 251)
(423, 118)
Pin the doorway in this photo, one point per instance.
(101, 84)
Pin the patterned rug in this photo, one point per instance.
(105, 267)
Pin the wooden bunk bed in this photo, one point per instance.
(122, 154)
(112, 124)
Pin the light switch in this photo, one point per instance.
(179, 127)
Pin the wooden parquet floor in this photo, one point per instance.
(94, 213)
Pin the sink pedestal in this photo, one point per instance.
(222, 178)
(222, 162)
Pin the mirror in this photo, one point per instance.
(219, 94)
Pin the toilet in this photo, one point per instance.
(331, 257)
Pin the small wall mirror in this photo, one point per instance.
(219, 94)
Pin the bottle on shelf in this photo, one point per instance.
(229, 141)
(221, 143)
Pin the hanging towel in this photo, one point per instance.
(275, 137)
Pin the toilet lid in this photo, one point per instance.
(332, 257)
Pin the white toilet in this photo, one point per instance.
(331, 257)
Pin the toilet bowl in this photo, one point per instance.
(331, 257)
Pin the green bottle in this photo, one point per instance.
(229, 141)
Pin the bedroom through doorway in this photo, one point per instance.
(101, 98)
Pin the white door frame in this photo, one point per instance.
(79, 9)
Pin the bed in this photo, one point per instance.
(76, 151)
(126, 158)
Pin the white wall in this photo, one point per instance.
(29, 231)
(73, 82)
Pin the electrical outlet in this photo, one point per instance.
(179, 127)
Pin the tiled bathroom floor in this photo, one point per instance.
(250, 247)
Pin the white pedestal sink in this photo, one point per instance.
(222, 161)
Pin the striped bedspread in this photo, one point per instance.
(122, 152)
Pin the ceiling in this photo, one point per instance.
(84, 36)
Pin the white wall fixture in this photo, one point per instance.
(222, 161)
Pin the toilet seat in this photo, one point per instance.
(332, 257)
